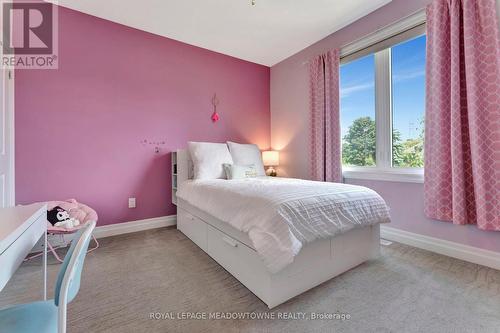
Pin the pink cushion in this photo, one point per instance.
(76, 210)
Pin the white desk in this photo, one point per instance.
(20, 229)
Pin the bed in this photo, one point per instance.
(279, 237)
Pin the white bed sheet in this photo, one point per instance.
(281, 215)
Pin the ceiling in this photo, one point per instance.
(266, 33)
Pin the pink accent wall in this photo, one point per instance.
(79, 128)
(290, 131)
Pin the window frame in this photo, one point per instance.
(379, 43)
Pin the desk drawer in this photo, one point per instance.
(14, 255)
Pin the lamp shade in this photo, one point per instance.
(271, 158)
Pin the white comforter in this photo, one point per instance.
(280, 215)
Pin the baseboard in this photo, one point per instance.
(134, 226)
(451, 249)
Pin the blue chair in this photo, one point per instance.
(50, 315)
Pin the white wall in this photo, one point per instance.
(290, 131)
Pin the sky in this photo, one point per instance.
(357, 89)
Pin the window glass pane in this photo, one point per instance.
(408, 103)
(357, 111)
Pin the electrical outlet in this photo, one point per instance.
(131, 203)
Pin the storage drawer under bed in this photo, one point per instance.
(238, 259)
(193, 228)
(316, 263)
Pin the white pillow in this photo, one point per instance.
(208, 159)
(246, 154)
(234, 171)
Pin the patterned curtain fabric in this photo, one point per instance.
(462, 122)
(325, 117)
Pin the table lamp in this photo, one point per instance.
(271, 159)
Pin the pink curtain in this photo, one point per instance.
(325, 119)
(462, 123)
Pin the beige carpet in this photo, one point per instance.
(131, 276)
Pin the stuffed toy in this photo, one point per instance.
(77, 210)
(58, 217)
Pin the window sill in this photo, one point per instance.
(393, 175)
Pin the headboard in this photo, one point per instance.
(184, 166)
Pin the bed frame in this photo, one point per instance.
(316, 263)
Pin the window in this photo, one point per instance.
(382, 104)
(357, 95)
(408, 103)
